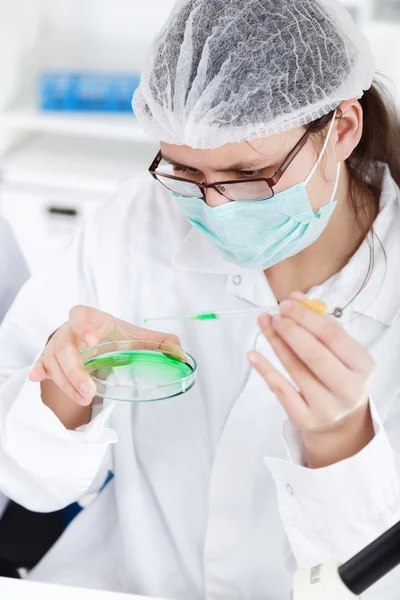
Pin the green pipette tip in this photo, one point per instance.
(198, 317)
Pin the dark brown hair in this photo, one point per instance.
(380, 143)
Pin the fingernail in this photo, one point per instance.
(286, 306)
(82, 401)
(180, 355)
(85, 390)
(90, 339)
(253, 358)
(298, 296)
(264, 320)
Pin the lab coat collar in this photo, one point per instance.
(197, 254)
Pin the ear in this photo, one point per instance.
(349, 129)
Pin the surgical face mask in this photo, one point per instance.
(258, 235)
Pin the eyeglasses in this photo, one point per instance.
(239, 190)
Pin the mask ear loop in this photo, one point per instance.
(307, 181)
(336, 183)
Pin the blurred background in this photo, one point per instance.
(67, 138)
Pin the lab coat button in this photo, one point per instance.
(237, 279)
(290, 490)
(338, 313)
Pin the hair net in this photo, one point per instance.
(225, 71)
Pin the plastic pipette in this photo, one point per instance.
(315, 305)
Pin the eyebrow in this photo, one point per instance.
(240, 166)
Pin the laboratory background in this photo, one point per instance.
(67, 136)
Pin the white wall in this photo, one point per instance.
(107, 34)
(50, 168)
(73, 34)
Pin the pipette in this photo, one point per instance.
(316, 306)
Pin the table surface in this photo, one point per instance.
(14, 589)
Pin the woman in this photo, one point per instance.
(278, 179)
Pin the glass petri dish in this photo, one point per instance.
(139, 371)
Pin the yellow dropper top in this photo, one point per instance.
(316, 306)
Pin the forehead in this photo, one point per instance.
(257, 152)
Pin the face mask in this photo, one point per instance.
(258, 235)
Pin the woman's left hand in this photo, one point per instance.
(332, 373)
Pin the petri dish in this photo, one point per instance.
(139, 371)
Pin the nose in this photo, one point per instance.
(214, 198)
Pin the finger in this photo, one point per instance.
(91, 325)
(57, 375)
(315, 357)
(148, 335)
(123, 331)
(170, 344)
(315, 394)
(161, 338)
(68, 357)
(293, 402)
(331, 334)
(156, 339)
(38, 373)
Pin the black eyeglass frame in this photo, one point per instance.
(270, 181)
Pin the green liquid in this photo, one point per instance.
(151, 367)
(199, 317)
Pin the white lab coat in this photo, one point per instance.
(13, 274)
(209, 501)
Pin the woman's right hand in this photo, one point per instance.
(61, 360)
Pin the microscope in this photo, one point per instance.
(333, 581)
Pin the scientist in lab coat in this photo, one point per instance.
(277, 177)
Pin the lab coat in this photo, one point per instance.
(210, 498)
(13, 274)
